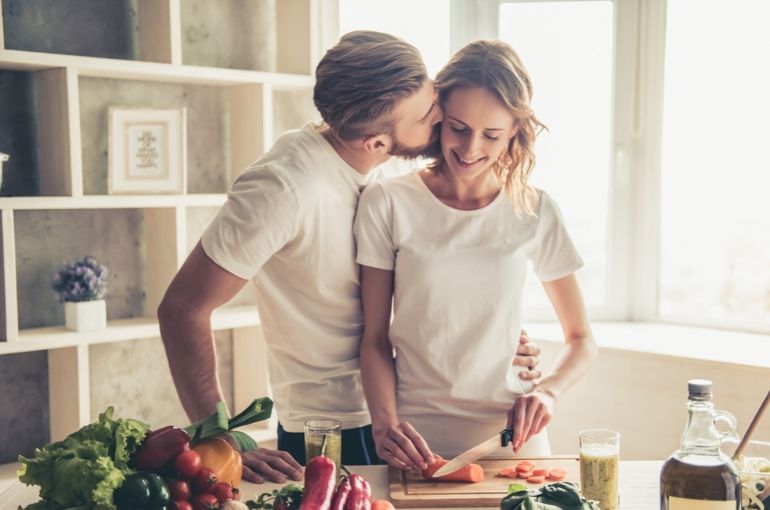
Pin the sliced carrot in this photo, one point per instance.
(523, 474)
(382, 504)
(536, 479)
(525, 463)
(471, 473)
(557, 474)
(506, 471)
(525, 468)
(539, 472)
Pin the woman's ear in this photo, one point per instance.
(377, 144)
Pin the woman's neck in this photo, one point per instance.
(464, 194)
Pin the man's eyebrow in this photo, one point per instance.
(432, 106)
(464, 124)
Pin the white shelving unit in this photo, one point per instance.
(251, 105)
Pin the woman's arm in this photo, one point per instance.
(532, 412)
(397, 443)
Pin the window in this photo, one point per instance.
(715, 169)
(424, 23)
(656, 151)
(567, 49)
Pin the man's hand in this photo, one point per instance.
(402, 446)
(529, 415)
(270, 465)
(527, 355)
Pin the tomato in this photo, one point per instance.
(180, 489)
(187, 464)
(223, 491)
(204, 480)
(180, 504)
(205, 502)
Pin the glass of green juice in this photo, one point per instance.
(599, 460)
(324, 437)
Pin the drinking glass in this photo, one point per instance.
(599, 459)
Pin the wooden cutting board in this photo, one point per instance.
(410, 490)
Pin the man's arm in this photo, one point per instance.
(184, 315)
(197, 290)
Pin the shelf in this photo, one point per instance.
(39, 339)
(149, 71)
(113, 201)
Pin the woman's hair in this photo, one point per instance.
(360, 80)
(496, 67)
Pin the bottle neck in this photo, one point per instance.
(701, 435)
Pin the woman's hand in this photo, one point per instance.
(401, 446)
(529, 415)
(527, 355)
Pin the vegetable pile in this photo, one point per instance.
(552, 496)
(322, 491)
(117, 464)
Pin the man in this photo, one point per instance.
(287, 225)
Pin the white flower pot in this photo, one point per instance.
(85, 315)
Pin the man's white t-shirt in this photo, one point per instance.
(288, 226)
(457, 302)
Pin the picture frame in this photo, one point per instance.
(147, 151)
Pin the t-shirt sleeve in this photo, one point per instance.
(554, 254)
(373, 229)
(259, 218)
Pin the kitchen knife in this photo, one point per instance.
(504, 438)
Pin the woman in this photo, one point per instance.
(448, 246)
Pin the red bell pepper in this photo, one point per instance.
(360, 495)
(159, 447)
(319, 484)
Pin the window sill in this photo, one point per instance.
(718, 346)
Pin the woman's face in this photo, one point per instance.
(477, 128)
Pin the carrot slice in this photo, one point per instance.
(536, 479)
(523, 474)
(506, 471)
(525, 468)
(557, 474)
(525, 463)
(471, 473)
(539, 472)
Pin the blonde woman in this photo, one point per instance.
(448, 246)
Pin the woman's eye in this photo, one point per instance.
(458, 129)
(492, 137)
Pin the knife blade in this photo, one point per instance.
(504, 438)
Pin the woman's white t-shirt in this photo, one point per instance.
(457, 302)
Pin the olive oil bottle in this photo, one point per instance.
(699, 476)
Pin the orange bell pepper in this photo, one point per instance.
(226, 463)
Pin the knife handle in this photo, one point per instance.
(506, 436)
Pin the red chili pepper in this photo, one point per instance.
(159, 447)
(319, 484)
(342, 494)
(360, 495)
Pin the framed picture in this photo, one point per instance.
(147, 151)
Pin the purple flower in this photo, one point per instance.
(82, 280)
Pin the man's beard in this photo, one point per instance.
(430, 150)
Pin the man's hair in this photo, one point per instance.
(360, 80)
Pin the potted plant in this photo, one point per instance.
(82, 286)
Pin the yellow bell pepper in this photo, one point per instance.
(226, 463)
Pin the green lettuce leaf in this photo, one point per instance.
(82, 471)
